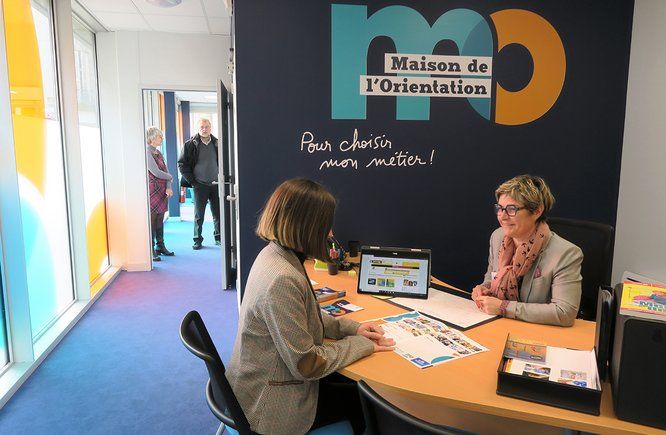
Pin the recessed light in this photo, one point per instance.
(164, 3)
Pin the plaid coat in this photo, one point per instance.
(280, 352)
(159, 202)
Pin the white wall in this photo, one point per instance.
(640, 242)
(183, 62)
(127, 63)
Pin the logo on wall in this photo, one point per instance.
(414, 74)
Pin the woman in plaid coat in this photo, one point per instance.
(282, 370)
(159, 181)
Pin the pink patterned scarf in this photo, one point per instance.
(514, 263)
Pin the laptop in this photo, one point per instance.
(403, 272)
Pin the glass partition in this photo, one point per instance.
(91, 149)
(4, 342)
(39, 159)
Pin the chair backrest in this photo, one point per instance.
(596, 242)
(220, 397)
(383, 418)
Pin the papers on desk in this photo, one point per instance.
(425, 342)
(457, 311)
(564, 366)
(566, 378)
(340, 308)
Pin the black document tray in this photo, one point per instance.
(543, 391)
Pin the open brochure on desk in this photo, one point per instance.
(453, 307)
(425, 342)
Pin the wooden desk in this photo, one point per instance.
(462, 392)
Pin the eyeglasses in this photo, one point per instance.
(510, 209)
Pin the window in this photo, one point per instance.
(39, 160)
(91, 149)
(208, 111)
(4, 343)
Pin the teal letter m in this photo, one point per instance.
(352, 31)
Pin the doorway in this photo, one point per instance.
(177, 114)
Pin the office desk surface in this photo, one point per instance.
(470, 383)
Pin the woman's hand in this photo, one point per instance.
(375, 333)
(480, 290)
(488, 304)
(384, 344)
(477, 291)
(169, 192)
(371, 330)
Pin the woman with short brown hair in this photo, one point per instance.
(533, 274)
(299, 215)
(280, 355)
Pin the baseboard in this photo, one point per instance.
(137, 267)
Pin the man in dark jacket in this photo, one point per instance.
(199, 170)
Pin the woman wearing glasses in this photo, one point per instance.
(533, 274)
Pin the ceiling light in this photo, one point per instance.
(164, 3)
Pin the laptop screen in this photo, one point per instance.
(394, 272)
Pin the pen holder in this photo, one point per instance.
(332, 268)
(353, 246)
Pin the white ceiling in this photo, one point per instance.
(197, 97)
(190, 16)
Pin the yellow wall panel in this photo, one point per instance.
(97, 244)
(27, 93)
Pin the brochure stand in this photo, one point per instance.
(604, 330)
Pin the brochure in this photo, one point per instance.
(643, 300)
(340, 308)
(426, 342)
(327, 293)
(522, 348)
(320, 266)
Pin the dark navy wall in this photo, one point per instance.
(171, 154)
(185, 116)
(284, 74)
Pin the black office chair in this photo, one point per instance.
(596, 242)
(219, 395)
(383, 418)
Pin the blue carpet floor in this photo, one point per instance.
(122, 369)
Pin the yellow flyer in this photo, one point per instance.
(648, 300)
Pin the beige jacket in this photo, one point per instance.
(280, 352)
(551, 289)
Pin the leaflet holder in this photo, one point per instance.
(561, 395)
(604, 330)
